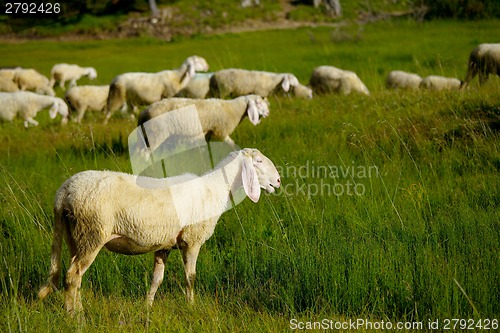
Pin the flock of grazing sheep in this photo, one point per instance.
(96, 209)
(134, 90)
(483, 60)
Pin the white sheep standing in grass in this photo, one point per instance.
(330, 79)
(83, 98)
(234, 82)
(136, 89)
(31, 80)
(198, 86)
(483, 60)
(96, 209)
(403, 80)
(70, 72)
(439, 83)
(218, 117)
(26, 105)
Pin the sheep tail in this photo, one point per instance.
(116, 98)
(214, 88)
(55, 257)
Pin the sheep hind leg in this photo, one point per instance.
(158, 273)
(79, 264)
(189, 257)
(80, 113)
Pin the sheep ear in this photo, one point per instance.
(285, 84)
(250, 179)
(191, 71)
(253, 113)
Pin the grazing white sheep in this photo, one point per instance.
(438, 83)
(218, 117)
(198, 86)
(330, 79)
(403, 80)
(70, 72)
(96, 209)
(483, 60)
(234, 82)
(31, 80)
(83, 98)
(26, 105)
(138, 89)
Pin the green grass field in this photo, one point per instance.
(389, 211)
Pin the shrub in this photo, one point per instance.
(463, 9)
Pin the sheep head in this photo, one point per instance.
(189, 68)
(198, 64)
(91, 73)
(58, 107)
(289, 80)
(302, 91)
(46, 90)
(258, 172)
(256, 107)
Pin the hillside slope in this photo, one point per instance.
(189, 18)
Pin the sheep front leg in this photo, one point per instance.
(230, 142)
(29, 121)
(471, 73)
(189, 257)
(483, 77)
(158, 272)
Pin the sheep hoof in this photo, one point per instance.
(44, 292)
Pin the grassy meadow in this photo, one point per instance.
(389, 210)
